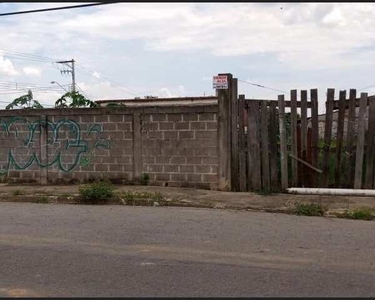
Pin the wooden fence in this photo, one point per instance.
(276, 144)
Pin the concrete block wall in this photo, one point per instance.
(180, 149)
(175, 145)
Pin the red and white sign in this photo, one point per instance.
(220, 82)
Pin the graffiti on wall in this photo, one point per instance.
(67, 146)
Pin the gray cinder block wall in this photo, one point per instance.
(175, 145)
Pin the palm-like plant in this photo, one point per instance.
(25, 101)
(77, 100)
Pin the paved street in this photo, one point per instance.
(72, 250)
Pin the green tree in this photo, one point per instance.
(76, 100)
(25, 101)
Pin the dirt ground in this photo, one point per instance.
(191, 197)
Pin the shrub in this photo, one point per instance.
(17, 192)
(42, 199)
(141, 198)
(358, 214)
(145, 178)
(96, 192)
(308, 209)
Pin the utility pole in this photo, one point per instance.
(70, 64)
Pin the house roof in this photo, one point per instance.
(161, 101)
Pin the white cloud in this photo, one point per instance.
(32, 71)
(96, 74)
(296, 32)
(165, 93)
(181, 90)
(7, 67)
(295, 40)
(306, 35)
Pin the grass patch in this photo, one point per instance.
(308, 209)
(98, 192)
(265, 192)
(17, 192)
(357, 214)
(141, 198)
(145, 178)
(42, 199)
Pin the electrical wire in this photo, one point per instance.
(269, 88)
(89, 73)
(262, 86)
(53, 8)
(367, 87)
(88, 96)
(13, 52)
(79, 68)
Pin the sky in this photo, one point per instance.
(127, 50)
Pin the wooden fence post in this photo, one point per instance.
(283, 149)
(305, 171)
(242, 142)
(234, 135)
(360, 141)
(253, 149)
(265, 147)
(273, 147)
(350, 139)
(314, 134)
(340, 136)
(370, 145)
(293, 131)
(327, 135)
(224, 136)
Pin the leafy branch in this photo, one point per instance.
(77, 100)
(25, 101)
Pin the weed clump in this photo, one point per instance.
(358, 214)
(98, 192)
(308, 209)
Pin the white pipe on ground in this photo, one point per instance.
(337, 192)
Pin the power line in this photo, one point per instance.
(262, 86)
(89, 73)
(54, 8)
(88, 96)
(13, 52)
(79, 68)
(24, 84)
(370, 86)
(24, 58)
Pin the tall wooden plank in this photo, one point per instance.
(305, 170)
(370, 146)
(274, 174)
(234, 135)
(242, 142)
(293, 135)
(308, 159)
(340, 136)
(265, 147)
(327, 136)
(350, 140)
(360, 142)
(300, 166)
(283, 149)
(314, 134)
(224, 125)
(253, 144)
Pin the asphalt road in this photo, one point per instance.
(71, 250)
